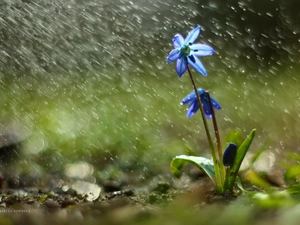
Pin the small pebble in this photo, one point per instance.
(51, 204)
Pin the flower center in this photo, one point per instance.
(185, 50)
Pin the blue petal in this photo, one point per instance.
(174, 55)
(192, 36)
(207, 113)
(215, 104)
(193, 108)
(201, 50)
(206, 106)
(181, 66)
(201, 91)
(197, 65)
(177, 41)
(191, 96)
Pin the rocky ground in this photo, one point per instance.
(133, 205)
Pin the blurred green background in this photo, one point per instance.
(88, 80)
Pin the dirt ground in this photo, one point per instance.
(133, 205)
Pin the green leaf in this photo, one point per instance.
(204, 164)
(258, 181)
(241, 152)
(292, 173)
(294, 191)
(276, 199)
(239, 184)
(235, 136)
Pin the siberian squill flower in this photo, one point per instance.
(185, 52)
(194, 106)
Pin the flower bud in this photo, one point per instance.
(229, 154)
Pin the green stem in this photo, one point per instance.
(219, 182)
(217, 136)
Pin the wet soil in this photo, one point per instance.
(132, 205)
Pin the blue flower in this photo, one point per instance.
(194, 106)
(186, 52)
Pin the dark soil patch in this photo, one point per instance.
(36, 206)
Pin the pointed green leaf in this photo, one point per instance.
(239, 184)
(241, 152)
(255, 179)
(204, 164)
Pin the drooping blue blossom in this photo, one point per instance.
(185, 52)
(229, 154)
(194, 106)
